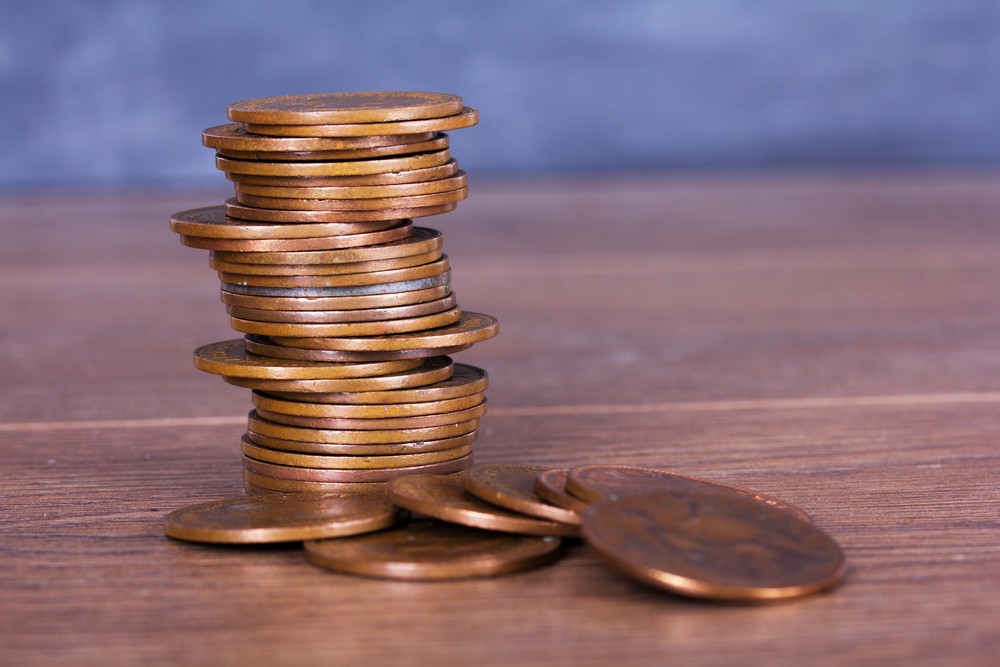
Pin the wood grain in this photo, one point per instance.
(833, 340)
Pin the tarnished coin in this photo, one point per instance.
(372, 204)
(445, 498)
(512, 486)
(707, 544)
(369, 277)
(335, 462)
(262, 484)
(212, 222)
(353, 476)
(402, 230)
(230, 358)
(446, 170)
(551, 486)
(260, 345)
(282, 518)
(257, 424)
(430, 372)
(306, 408)
(237, 210)
(341, 316)
(426, 549)
(369, 424)
(456, 182)
(374, 328)
(466, 118)
(345, 107)
(365, 449)
(471, 328)
(233, 136)
(596, 482)
(325, 269)
(420, 240)
(437, 142)
(380, 165)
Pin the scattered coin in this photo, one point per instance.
(339, 108)
(550, 485)
(466, 118)
(512, 486)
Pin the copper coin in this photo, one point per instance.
(707, 544)
(237, 210)
(212, 222)
(458, 181)
(370, 277)
(464, 381)
(350, 290)
(262, 484)
(430, 550)
(402, 230)
(259, 425)
(339, 316)
(367, 449)
(350, 462)
(431, 371)
(281, 352)
(379, 204)
(380, 165)
(596, 482)
(233, 136)
(325, 269)
(230, 358)
(512, 486)
(331, 475)
(446, 170)
(471, 328)
(550, 485)
(446, 499)
(420, 241)
(336, 304)
(466, 118)
(374, 328)
(437, 142)
(282, 518)
(374, 411)
(338, 108)
(369, 424)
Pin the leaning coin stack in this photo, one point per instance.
(346, 306)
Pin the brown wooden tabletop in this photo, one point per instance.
(832, 340)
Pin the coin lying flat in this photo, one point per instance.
(341, 316)
(351, 290)
(550, 485)
(237, 210)
(512, 487)
(324, 269)
(426, 549)
(433, 370)
(373, 328)
(282, 518)
(421, 240)
(212, 222)
(363, 449)
(456, 182)
(464, 381)
(437, 142)
(445, 498)
(380, 165)
(371, 204)
(295, 473)
(307, 408)
(262, 484)
(595, 482)
(360, 302)
(349, 462)
(471, 328)
(466, 118)
(233, 136)
(707, 544)
(260, 345)
(368, 277)
(422, 175)
(258, 424)
(402, 230)
(368, 424)
(345, 107)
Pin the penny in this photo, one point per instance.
(325, 269)
(445, 498)
(282, 518)
(446, 170)
(374, 328)
(421, 240)
(438, 142)
(328, 462)
(351, 290)
(233, 136)
(335, 303)
(722, 546)
(550, 485)
(263, 484)
(259, 345)
(366, 449)
(338, 108)
(471, 328)
(402, 230)
(466, 118)
(355, 437)
(374, 204)
(332, 475)
(333, 167)
(230, 358)
(512, 487)
(237, 210)
(430, 550)
(212, 222)
(460, 180)
(431, 371)
(335, 316)
(375, 424)
(369, 277)
(596, 482)
(374, 411)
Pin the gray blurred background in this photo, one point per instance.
(114, 93)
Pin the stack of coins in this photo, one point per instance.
(346, 306)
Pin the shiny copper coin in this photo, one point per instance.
(431, 371)
(339, 108)
(352, 476)
(358, 191)
(471, 328)
(374, 328)
(282, 518)
(230, 358)
(350, 290)
(325, 269)
(360, 302)
(369, 424)
(332, 462)
(340, 316)
(374, 204)
(436, 143)
(233, 136)
(306, 408)
(446, 499)
(421, 240)
(333, 167)
(550, 485)
(370, 277)
(465, 381)
(237, 210)
(431, 550)
(402, 230)
(366, 449)
(262, 484)
(707, 544)
(446, 170)
(212, 222)
(596, 482)
(356, 437)
(467, 118)
(259, 345)
(512, 486)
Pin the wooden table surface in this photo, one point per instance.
(829, 339)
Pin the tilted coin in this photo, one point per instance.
(351, 290)
(426, 549)
(325, 269)
(233, 136)
(445, 498)
(707, 544)
(446, 170)
(364, 449)
(257, 424)
(471, 328)
(368, 277)
(467, 118)
(595, 482)
(334, 462)
(282, 518)
(437, 142)
(551, 486)
(456, 182)
(371, 204)
(360, 302)
(262, 484)
(345, 107)
(237, 210)
(340, 316)
(380, 165)
(369, 424)
(260, 345)
(401, 231)
(421, 240)
(306, 408)
(212, 222)
(430, 372)
(332, 475)
(512, 486)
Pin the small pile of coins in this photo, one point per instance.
(682, 534)
(346, 306)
